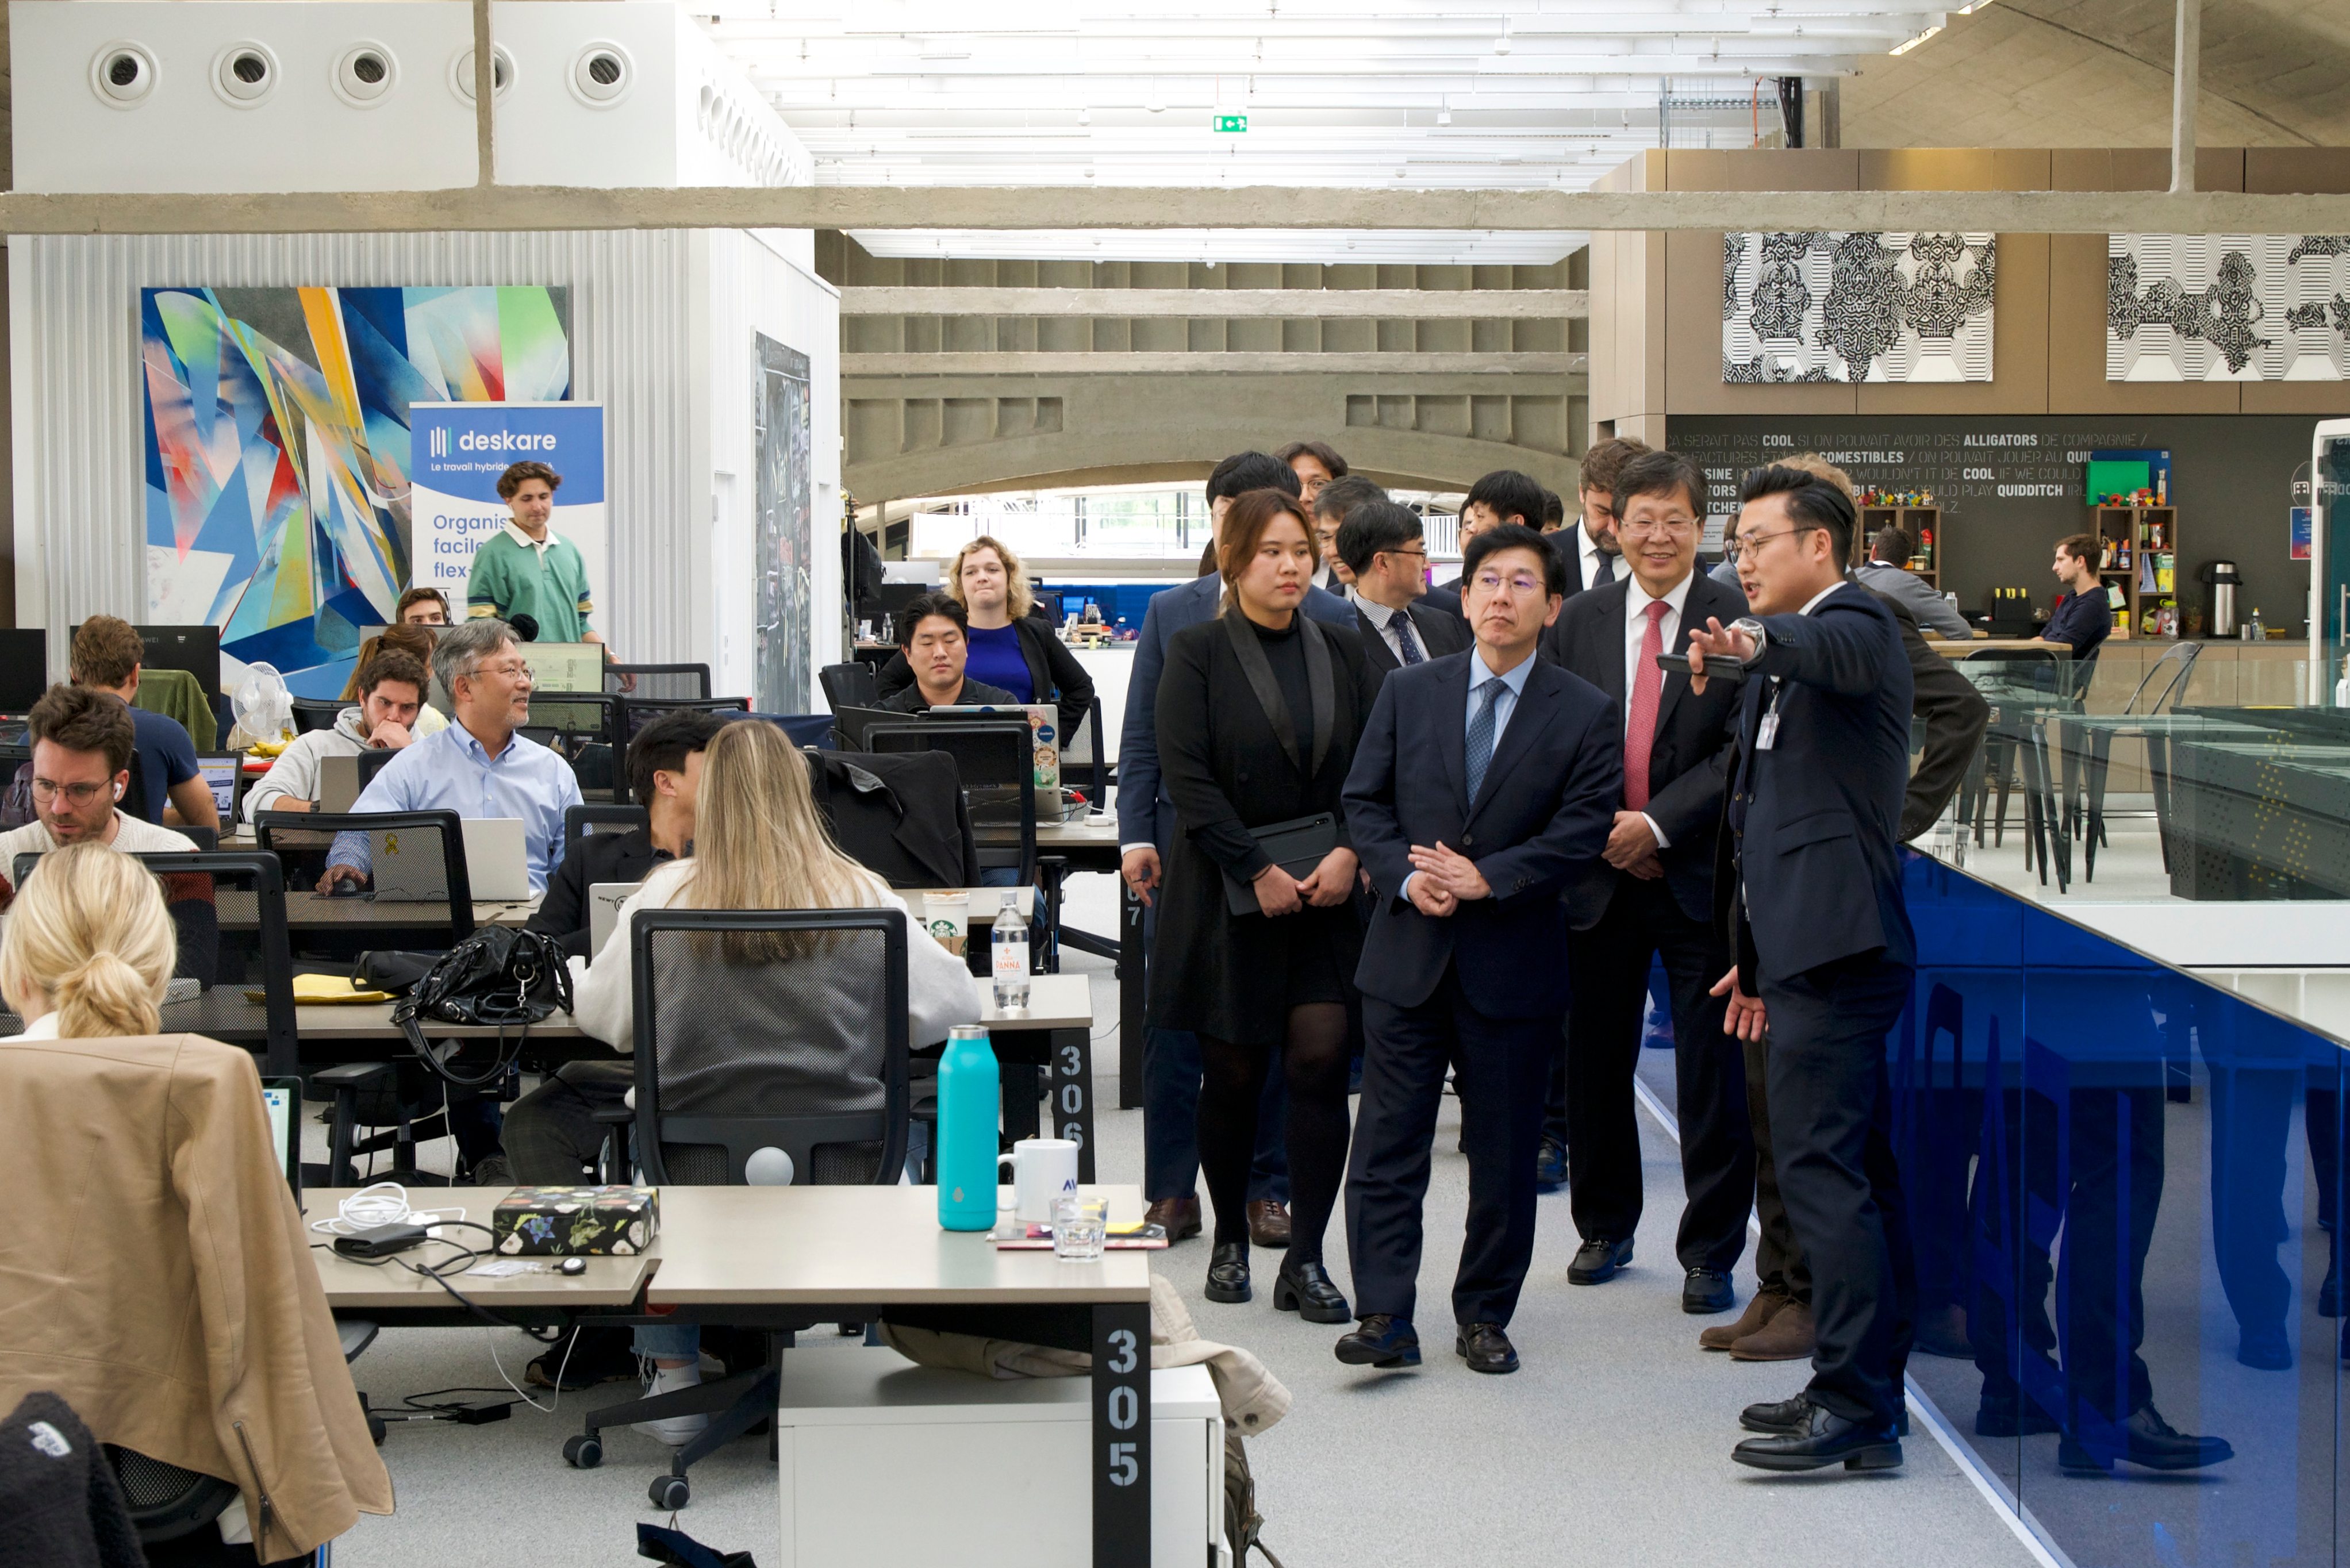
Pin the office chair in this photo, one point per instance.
(635, 713)
(849, 685)
(580, 821)
(585, 729)
(996, 762)
(229, 910)
(729, 1047)
(659, 682)
(317, 713)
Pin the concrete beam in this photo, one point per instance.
(1109, 362)
(2185, 88)
(544, 208)
(1227, 303)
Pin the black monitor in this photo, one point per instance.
(194, 648)
(884, 606)
(23, 668)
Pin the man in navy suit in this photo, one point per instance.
(1809, 888)
(1485, 783)
(1146, 828)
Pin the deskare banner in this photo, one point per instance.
(456, 453)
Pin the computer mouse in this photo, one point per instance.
(575, 1265)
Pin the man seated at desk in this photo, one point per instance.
(82, 741)
(107, 655)
(938, 647)
(478, 766)
(391, 693)
(664, 774)
(2084, 615)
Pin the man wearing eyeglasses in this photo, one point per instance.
(1385, 547)
(82, 741)
(478, 766)
(1652, 899)
(1486, 784)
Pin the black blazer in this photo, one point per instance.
(1549, 799)
(600, 857)
(1053, 671)
(1955, 714)
(1812, 821)
(1445, 596)
(1440, 634)
(1228, 770)
(1688, 763)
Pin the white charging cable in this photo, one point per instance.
(383, 1203)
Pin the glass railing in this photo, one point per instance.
(2124, 1186)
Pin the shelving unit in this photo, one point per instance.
(2141, 554)
(1922, 523)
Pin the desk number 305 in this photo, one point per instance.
(1124, 1409)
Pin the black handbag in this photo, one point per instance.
(498, 977)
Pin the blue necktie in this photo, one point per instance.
(1404, 643)
(1481, 733)
(1607, 568)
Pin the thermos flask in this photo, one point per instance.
(969, 1097)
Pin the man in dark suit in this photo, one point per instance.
(1330, 506)
(1384, 546)
(1146, 827)
(664, 771)
(1653, 897)
(1503, 496)
(1485, 783)
(1809, 886)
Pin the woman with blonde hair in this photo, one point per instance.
(759, 844)
(89, 948)
(1009, 647)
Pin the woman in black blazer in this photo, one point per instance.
(987, 580)
(1259, 713)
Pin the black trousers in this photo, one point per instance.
(1608, 967)
(1501, 1065)
(1831, 1135)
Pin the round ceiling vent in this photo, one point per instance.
(601, 74)
(122, 75)
(366, 74)
(244, 75)
(502, 72)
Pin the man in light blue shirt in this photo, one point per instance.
(477, 767)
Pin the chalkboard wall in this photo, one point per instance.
(2011, 487)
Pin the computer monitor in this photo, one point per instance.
(566, 665)
(219, 771)
(282, 1098)
(23, 668)
(194, 648)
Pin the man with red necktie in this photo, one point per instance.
(1653, 897)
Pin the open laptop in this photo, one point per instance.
(343, 779)
(604, 901)
(282, 1098)
(408, 869)
(220, 772)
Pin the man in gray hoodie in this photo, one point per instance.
(391, 691)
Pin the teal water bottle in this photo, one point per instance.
(969, 1095)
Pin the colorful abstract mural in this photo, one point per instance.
(278, 453)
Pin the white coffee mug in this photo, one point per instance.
(1042, 1169)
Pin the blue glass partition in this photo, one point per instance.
(2124, 1185)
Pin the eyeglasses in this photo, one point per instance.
(1523, 584)
(1670, 528)
(1419, 550)
(77, 794)
(1738, 547)
(514, 671)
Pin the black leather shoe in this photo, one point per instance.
(1383, 1340)
(1550, 1166)
(2148, 1440)
(1485, 1347)
(1305, 1289)
(1228, 1273)
(1596, 1262)
(1706, 1291)
(1823, 1438)
(1776, 1415)
(2011, 1416)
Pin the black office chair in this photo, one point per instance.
(849, 685)
(1089, 753)
(581, 821)
(317, 713)
(303, 843)
(996, 761)
(585, 729)
(229, 908)
(635, 713)
(659, 682)
(730, 1040)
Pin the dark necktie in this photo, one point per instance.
(1481, 733)
(1606, 573)
(1405, 644)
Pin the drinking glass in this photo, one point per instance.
(1080, 1224)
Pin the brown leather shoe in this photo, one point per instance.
(1760, 1307)
(1180, 1216)
(1269, 1223)
(1790, 1335)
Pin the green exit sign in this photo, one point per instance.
(1232, 123)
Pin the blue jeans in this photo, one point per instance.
(670, 1341)
(1171, 1110)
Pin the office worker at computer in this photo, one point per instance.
(528, 568)
(82, 741)
(1146, 831)
(1486, 784)
(107, 655)
(664, 773)
(478, 766)
(1009, 646)
(938, 654)
(1385, 547)
(391, 694)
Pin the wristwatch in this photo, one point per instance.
(1753, 629)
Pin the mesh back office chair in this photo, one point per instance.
(659, 682)
(635, 713)
(1086, 747)
(996, 762)
(305, 842)
(729, 1048)
(317, 713)
(583, 728)
(849, 685)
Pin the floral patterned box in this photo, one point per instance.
(551, 1221)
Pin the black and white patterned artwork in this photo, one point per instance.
(1827, 307)
(2227, 307)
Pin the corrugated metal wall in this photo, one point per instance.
(74, 313)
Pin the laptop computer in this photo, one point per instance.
(408, 868)
(604, 901)
(219, 771)
(282, 1098)
(343, 779)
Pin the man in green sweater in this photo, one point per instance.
(527, 570)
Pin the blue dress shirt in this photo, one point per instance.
(451, 771)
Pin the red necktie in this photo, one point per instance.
(1640, 734)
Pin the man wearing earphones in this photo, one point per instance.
(82, 741)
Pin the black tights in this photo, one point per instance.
(1313, 1069)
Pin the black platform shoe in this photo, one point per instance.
(1305, 1289)
(1228, 1273)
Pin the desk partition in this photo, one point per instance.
(2125, 1187)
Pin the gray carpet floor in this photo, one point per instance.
(1611, 1445)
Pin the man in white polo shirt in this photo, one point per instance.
(82, 741)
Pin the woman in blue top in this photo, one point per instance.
(1008, 646)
